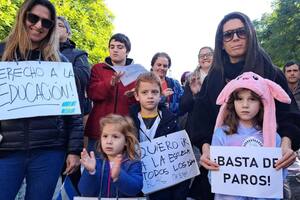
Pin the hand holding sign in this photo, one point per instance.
(205, 159)
(288, 155)
(131, 72)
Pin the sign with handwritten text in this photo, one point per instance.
(166, 161)
(33, 88)
(131, 72)
(247, 171)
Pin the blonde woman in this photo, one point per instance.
(35, 148)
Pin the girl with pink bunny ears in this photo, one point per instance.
(247, 115)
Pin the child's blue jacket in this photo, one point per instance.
(129, 183)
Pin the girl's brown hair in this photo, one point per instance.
(18, 39)
(231, 119)
(127, 128)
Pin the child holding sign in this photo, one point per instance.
(247, 115)
(154, 121)
(119, 172)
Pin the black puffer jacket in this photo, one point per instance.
(61, 132)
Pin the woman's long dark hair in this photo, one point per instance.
(256, 59)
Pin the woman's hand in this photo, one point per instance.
(168, 92)
(205, 159)
(89, 162)
(288, 155)
(115, 170)
(116, 78)
(195, 84)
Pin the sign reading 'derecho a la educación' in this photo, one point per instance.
(33, 88)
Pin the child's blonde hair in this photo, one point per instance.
(127, 128)
(148, 77)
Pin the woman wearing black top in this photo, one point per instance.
(236, 51)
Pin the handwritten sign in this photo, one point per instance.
(247, 171)
(131, 72)
(166, 161)
(33, 88)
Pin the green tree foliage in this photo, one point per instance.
(90, 20)
(279, 31)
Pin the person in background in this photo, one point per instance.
(79, 60)
(247, 117)
(35, 148)
(171, 89)
(192, 88)
(291, 71)
(108, 94)
(184, 78)
(236, 51)
(81, 67)
(154, 120)
(118, 173)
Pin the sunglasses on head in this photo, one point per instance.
(240, 32)
(46, 23)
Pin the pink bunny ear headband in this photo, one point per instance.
(265, 88)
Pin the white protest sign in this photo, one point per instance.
(131, 72)
(166, 161)
(247, 171)
(33, 88)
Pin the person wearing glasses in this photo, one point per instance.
(236, 51)
(192, 88)
(35, 148)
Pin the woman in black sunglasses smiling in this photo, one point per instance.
(236, 51)
(35, 148)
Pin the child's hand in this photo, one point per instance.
(89, 162)
(115, 170)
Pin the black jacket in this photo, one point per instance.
(168, 122)
(81, 67)
(205, 110)
(59, 132)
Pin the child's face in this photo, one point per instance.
(246, 107)
(148, 95)
(112, 141)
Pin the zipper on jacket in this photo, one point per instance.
(116, 98)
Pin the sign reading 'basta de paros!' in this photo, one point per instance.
(33, 88)
(247, 171)
(166, 161)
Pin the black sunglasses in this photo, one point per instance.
(240, 32)
(46, 23)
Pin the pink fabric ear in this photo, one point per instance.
(277, 92)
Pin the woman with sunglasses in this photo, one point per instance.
(35, 148)
(236, 51)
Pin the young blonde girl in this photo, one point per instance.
(118, 173)
(247, 116)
